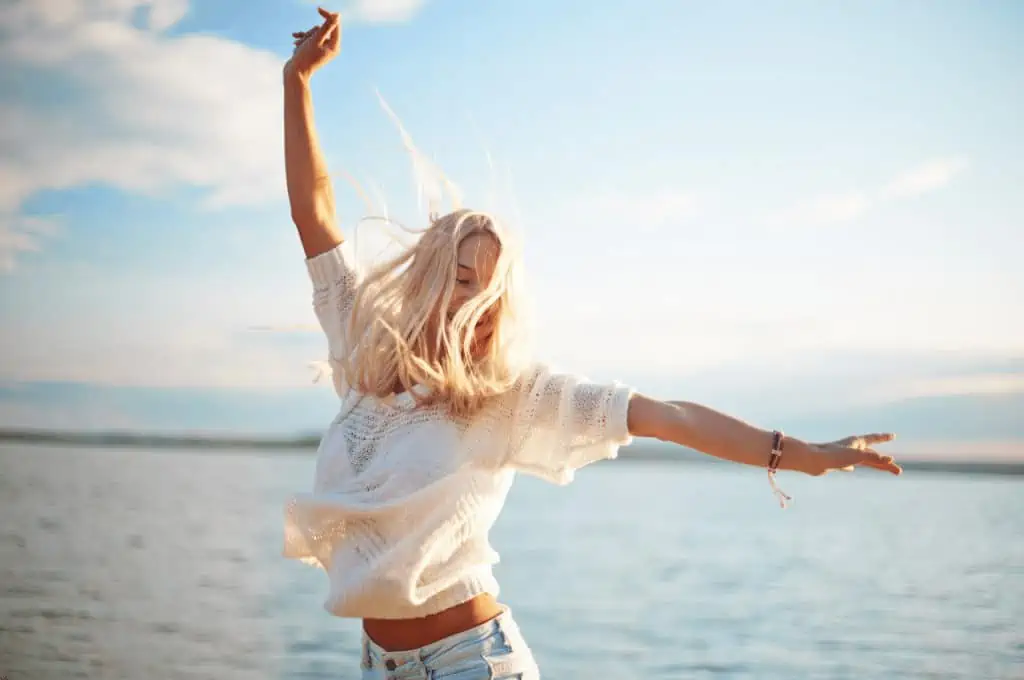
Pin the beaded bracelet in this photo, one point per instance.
(778, 440)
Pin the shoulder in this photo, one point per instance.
(527, 379)
(534, 383)
(538, 378)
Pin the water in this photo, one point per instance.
(133, 564)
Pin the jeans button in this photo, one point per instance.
(390, 664)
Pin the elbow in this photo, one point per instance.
(313, 216)
(311, 204)
(317, 233)
(307, 219)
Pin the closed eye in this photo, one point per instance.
(463, 269)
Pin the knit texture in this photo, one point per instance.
(404, 496)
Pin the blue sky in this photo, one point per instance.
(795, 211)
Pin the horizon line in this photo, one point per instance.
(642, 450)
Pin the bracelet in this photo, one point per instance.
(778, 441)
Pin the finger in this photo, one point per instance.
(878, 438)
(875, 460)
(329, 31)
(890, 467)
(330, 18)
(853, 456)
(334, 39)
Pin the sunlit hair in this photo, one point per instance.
(409, 337)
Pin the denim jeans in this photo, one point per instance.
(494, 650)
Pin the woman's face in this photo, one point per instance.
(477, 257)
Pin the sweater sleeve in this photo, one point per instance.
(560, 423)
(335, 276)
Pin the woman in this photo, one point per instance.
(438, 411)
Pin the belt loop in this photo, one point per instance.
(367, 664)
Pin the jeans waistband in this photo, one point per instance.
(412, 663)
(502, 620)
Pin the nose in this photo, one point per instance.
(458, 300)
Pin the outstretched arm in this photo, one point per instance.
(310, 193)
(722, 436)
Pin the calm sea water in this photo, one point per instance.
(144, 565)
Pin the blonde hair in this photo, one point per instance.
(407, 336)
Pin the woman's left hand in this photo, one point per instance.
(846, 454)
(317, 46)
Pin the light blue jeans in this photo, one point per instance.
(494, 650)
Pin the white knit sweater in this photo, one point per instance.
(404, 497)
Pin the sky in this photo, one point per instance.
(799, 212)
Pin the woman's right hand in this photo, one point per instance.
(846, 454)
(315, 47)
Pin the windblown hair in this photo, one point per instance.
(408, 337)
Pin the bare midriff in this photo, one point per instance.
(396, 635)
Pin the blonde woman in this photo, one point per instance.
(438, 411)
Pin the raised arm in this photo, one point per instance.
(309, 187)
(716, 434)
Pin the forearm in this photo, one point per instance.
(708, 431)
(310, 193)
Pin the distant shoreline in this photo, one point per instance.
(307, 444)
(113, 438)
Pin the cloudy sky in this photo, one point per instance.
(800, 212)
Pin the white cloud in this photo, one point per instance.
(22, 233)
(924, 178)
(149, 111)
(382, 11)
(835, 208)
(157, 14)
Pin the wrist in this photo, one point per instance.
(294, 77)
(795, 453)
(786, 454)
